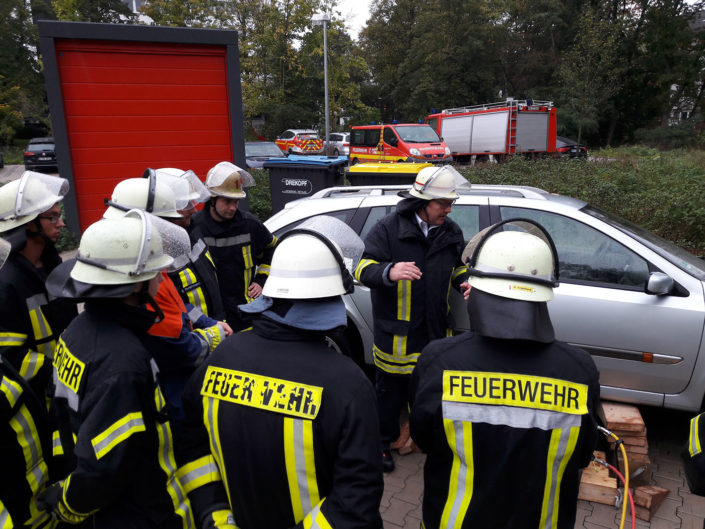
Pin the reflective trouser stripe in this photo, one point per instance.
(57, 448)
(364, 263)
(12, 339)
(300, 466)
(117, 432)
(26, 431)
(315, 519)
(32, 364)
(460, 488)
(561, 448)
(5, 519)
(404, 300)
(194, 295)
(402, 364)
(210, 420)
(197, 473)
(182, 507)
(11, 389)
(247, 259)
(694, 446)
(40, 325)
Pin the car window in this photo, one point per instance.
(389, 137)
(335, 137)
(373, 218)
(585, 254)
(38, 147)
(468, 218)
(417, 134)
(287, 135)
(345, 215)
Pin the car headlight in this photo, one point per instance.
(447, 151)
(414, 152)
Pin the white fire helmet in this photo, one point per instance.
(127, 249)
(437, 183)
(22, 200)
(314, 260)
(185, 185)
(147, 194)
(514, 259)
(228, 180)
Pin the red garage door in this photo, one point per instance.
(129, 106)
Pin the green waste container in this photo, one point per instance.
(374, 174)
(301, 176)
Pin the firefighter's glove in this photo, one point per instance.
(212, 335)
(52, 501)
(219, 520)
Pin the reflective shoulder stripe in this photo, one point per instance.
(224, 242)
(5, 518)
(694, 446)
(28, 438)
(364, 263)
(11, 389)
(197, 249)
(316, 519)
(12, 339)
(198, 473)
(36, 301)
(300, 466)
(116, 433)
(458, 272)
(460, 489)
(56, 447)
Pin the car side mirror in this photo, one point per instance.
(659, 284)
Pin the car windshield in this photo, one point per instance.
(669, 251)
(416, 134)
(262, 149)
(311, 136)
(38, 147)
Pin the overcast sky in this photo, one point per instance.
(355, 13)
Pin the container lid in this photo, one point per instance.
(294, 160)
(389, 168)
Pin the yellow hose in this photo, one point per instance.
(626, 473)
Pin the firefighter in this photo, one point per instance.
(185, 336)
(282, 430)
(117, 430)
(236, 240)
(30, 321)
(694, 456)
(506, 413)
(412, 256)
(195, 278)
(24, 436)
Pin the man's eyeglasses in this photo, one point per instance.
(445, 204)
(54, 219)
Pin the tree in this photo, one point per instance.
(109, 11)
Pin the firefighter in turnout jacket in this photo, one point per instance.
(24, 443)
(694, 456)
(30, 320)
(282, 430)
(505, 412)
(116, 428)
(240, 245)
(412, 257)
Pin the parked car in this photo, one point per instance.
(634, 301)
(300, 141)
(40, 154)
(338, 144)
(568, 148)
(258, 152)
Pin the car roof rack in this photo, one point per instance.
(476, 189)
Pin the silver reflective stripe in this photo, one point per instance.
(115, 434)
(179, 262)
(491, 269)
(197, 249)
(35, 451)
(555, 474)
(325, 272)
(300, 457)
(194, 314)
(509, 416)
(314, 515)
(209, 468)
(227, 241)
(61, 390)
(5, 520)
(183, 508)
(155, 369)
(13, 390)
(13, 339)
(36, 301)
(463, 482)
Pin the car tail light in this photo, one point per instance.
(29, 153)
(346, 144)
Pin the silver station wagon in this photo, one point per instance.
(631, 299)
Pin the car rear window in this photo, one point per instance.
(308, 136)
(38, 147)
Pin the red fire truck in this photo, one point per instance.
(498, 129)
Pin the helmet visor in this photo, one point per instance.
(187, 187)
(36, 192)
(442, 183)
(220, 173)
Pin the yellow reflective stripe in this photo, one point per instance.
(31, 364)
(460, 488)
(398, 364)
(223, 518)
(300, 465)
(694, 446)
(208, 256)
(64, 491)
(457, 272)
(182, 507)
(194, 295)
(399, 345)
(316, 519)
(197, 473)
(247, 259)
(40, 325)
(263, 269)
(11, 389)
(5, 518)
(560, 450)
(28, 439)
(117, 432)
(210, 420)
(364, 263)
(57, 448)
(449, 333)
(12, 339)
(404, 300)
(273, 242)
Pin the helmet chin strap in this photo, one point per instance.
(39, 232)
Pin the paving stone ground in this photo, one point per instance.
(667, 432)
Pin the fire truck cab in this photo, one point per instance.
(402, 142)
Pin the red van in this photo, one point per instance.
(399, 142)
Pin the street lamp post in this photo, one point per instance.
(322, 19)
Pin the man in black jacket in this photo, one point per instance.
(505, 412)
(412, 257)
(240, 245)
(281, 430)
